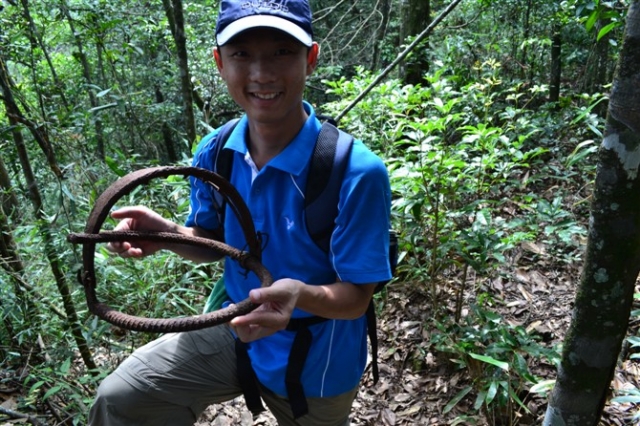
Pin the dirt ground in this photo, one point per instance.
(533, 290)
(416, 383)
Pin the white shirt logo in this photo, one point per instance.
(290, 223)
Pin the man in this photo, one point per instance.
(265, 51)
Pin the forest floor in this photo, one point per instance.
(533, 290)
(416, 382)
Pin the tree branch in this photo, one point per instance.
(15, 415)
(399, 59)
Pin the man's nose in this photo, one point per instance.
(263, 69)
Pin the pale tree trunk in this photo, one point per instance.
(556, 64)
(612, 262)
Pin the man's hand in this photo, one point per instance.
(139, 218)
(277, 304)
(340, 300)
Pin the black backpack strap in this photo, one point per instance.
(295, 363)
(293, 375)
(326, 172)
(372, 331)
(222, 162)
(247, 378)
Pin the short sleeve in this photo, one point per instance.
(202, 211)
(360, 241)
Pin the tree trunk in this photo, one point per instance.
(25, 311)
(7, 262)
(45, 231)
(380, 34)
(175, 15)
(526, 32)
(416, 17)
(166, 132)
(8, 200)
(16, 118)
(10, 260)
(598, 65)
(556, 65)
(605, 293)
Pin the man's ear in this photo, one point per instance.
(217, 57)
(312, 57)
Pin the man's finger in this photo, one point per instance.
(134, 212)
(271, 320)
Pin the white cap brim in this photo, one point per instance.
(257, 21)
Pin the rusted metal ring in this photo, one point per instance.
(248, 259)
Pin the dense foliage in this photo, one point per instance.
(481, 162)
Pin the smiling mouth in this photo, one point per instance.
(266, 96)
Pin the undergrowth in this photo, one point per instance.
(470, 168)
(475, 175)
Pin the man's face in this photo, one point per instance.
(265, 71)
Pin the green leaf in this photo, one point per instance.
(464, 420)
(113, 165)
(101, 107)
(591, 21)
(516, 398)
(491, 392)
(66, 365)
(479, 400)
(102, 93)
(606, 29)
(457, 399)
(65, 191)
(52, 392)
(489, 360)
(543, 386)
(36, 386)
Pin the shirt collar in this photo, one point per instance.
(294, 158)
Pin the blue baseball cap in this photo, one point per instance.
(290, 16)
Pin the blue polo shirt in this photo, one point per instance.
(358, 252)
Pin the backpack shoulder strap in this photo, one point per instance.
(223, 159)
(222, 162)
(326, 172)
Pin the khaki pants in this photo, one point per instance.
(171, 381)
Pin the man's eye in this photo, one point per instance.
(281, 52)
(239, 54)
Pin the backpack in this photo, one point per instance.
(322, 193)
